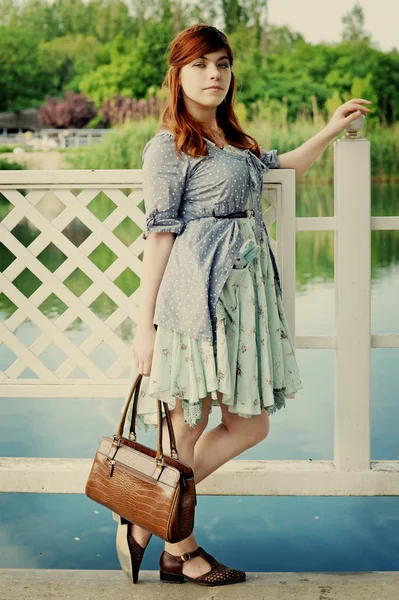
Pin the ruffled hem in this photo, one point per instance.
(146, 417)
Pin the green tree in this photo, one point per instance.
(131, 74)
(354, 26)
(65, 60)
(20, 79)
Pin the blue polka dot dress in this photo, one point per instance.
(251, 363)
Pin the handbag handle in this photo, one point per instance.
(135, 389)
(132, 432)
(172, 440)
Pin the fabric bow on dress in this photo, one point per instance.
(256, 169)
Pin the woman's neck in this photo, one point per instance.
(217, 137)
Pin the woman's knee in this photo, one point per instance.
(261, 426)
(253, 430)
(184, 430)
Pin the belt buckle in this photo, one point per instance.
(250, 212)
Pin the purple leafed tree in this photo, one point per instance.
(76, 110)
(119, 109)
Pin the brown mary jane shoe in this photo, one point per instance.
(130, 553)
(171, 570)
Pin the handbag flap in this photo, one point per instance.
(172, 462)
(142, 463)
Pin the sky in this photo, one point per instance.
(320, 20)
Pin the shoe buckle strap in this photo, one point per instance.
(192, 554)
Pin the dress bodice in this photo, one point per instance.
(188, 195)
(249, 203)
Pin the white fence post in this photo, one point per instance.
(352, 303)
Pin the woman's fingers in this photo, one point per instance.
(360, 100)
(147, 367)
(361, 107)
(354, 106)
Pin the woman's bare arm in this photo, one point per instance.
(157, 249)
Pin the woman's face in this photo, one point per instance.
(198, 75)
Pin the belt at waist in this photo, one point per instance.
(235, 215)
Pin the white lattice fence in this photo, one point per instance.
(51, 203)
(74, 209)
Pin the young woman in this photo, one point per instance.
(211, 329)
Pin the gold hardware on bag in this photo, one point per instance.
(118, 443)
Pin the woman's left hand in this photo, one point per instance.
(347, 112)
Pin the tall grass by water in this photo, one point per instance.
(122, 149)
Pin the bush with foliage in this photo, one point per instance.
(76, 110)
(119, 149)
(10, 166)
(119, 109)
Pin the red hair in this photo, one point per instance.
(189, 44)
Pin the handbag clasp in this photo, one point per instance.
(110, 459)
(112, 463)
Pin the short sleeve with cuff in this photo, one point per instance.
(164, 176)
(270, 158)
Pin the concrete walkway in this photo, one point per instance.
(46, 584)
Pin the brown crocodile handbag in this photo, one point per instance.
(141, 484)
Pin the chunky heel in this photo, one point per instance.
(171, 577)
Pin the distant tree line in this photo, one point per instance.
(111, 56)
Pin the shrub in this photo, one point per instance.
(10, 166)
(76, 110)
(119, 109)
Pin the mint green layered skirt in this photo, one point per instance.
(252, 362)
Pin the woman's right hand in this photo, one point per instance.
(143, 348)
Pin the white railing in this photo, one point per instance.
(46, 139)
(350, 473)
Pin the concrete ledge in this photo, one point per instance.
(46, 584)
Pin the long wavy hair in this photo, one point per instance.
(188, 45)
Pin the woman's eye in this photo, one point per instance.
(221, 64)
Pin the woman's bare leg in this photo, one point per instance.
(186, 438)
(228, 439)
(206, 452)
